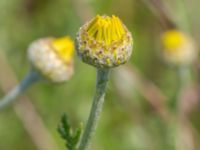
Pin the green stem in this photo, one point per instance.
(30, 78)
(183, 128)
(101, 82)
(184, 76)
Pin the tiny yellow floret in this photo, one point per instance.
(64, 47)
(106, 29)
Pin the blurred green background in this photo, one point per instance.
(129, 121)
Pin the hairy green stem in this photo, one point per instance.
(101, 82)
(30, 78)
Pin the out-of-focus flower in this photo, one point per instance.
(104, 42)
(53, 58)
(179, 48)
(49, 57)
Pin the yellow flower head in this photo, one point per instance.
(173, 39)
(104, 42)
(53, 57)
(179, 48)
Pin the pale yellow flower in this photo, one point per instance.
(53, 58)
(104, 42)
(178, 48)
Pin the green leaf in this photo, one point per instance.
(77, 135)
(65, 130)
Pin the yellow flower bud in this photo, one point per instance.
(178, 48)
(104, 42)
(53, 58)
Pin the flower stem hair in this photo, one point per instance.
(102, 79)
